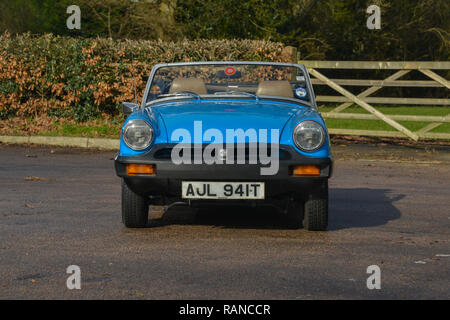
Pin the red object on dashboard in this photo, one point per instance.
(230, 71)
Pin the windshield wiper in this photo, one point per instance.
(179, 94)
(244, 93)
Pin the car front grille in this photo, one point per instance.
(240, 151)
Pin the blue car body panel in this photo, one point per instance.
(223, 114)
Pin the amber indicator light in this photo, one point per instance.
(135, 168)
(306, 170)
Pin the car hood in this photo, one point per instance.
(222, 115)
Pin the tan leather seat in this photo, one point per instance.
(275, 88)
(188, 84)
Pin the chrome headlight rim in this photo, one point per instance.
(322, 131)
(128, 125)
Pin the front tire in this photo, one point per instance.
(316, 210)
(134, 208)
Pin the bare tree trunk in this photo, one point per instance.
(109, 22)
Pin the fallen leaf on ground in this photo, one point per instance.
(38, 179)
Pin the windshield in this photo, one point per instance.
(251, 81)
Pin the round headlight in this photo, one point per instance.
(309, 135)
(137, 134)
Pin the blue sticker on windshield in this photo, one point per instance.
(300, 92)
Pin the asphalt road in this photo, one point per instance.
(394, 215)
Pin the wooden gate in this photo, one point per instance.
(364, 98)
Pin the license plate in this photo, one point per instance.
(222, 190)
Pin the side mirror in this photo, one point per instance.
(129, 107)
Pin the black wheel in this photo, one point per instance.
(316, 210)
(134, 208)
(294, 214)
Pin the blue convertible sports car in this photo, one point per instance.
(242, 133)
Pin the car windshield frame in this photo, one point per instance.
(226, 95)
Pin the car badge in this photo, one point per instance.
(222, 154)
